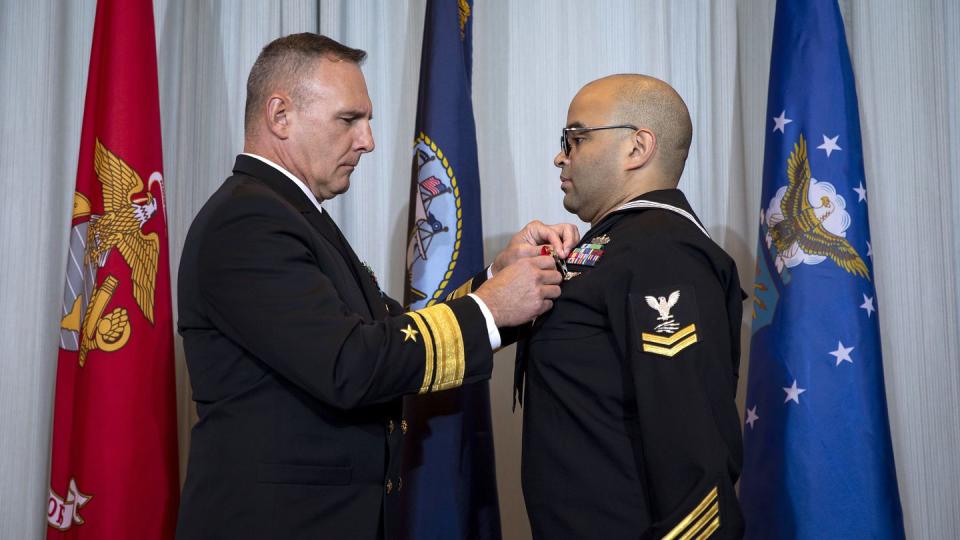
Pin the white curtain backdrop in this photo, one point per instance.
(530, 57)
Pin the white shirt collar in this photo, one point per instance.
(300, 184)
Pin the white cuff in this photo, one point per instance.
(490, 271)
(492, 331)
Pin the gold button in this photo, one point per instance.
(403, 426)
(389, 486)
(390, 426)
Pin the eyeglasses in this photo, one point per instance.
(565, 143)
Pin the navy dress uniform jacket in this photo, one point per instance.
(298, 363)
(629, 424)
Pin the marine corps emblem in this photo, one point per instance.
(128, 205)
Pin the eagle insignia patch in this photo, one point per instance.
(666, 320)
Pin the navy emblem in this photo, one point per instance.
(434, 245)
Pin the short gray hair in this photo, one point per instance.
(283, 59)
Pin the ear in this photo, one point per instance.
(278, 115)
(644, 145)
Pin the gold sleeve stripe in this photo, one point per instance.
(692, 516)
(448, 344)
(712, 528)
(672, 351)
(670, 340)
(461, 291)
(455, 361)
(698, 526)
(429, 359)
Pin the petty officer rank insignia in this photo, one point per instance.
(666, 319)
(589, 254)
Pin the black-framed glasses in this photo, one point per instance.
(565, 143)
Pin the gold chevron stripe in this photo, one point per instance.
(461, 291)
(695, 514)
(670, 340)
(698, 526)
(429, 359)
(448, 343)
(671, 351)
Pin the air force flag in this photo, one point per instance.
(818, 461)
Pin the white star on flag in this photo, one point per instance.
(868, 305)
(829, 145)
(861, 192)
(751, 416)
(780, 121)
(842, 353)
(793, 392)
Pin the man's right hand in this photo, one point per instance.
(521, 291)
(534, 235)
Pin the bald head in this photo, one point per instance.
(648, 102)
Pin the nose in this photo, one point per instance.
(364, 142)
(560, 160)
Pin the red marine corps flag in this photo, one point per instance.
(114, 457)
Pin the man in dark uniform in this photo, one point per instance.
(297, 360)
(627, 385)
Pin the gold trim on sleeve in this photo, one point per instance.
(712, 528)
(429, 359)
(461, 291)
(448, 343)
(694, 515)
(698, 527)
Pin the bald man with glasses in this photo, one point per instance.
(627, 385)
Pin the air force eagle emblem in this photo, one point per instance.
(806, 220)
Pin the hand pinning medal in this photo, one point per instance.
(561, 264)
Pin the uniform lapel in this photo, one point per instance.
(353, 286)
(371, 291)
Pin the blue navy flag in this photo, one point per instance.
(449, 478)
(818, 461)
